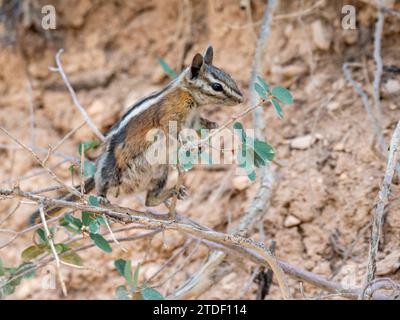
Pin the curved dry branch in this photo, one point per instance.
(75, 99)
(244, 247)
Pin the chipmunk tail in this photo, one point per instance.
(53, 211)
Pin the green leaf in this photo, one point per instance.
(93, 201)
(263, 84)
(72, 258)
(206, 158)
(120, 266)
(87, 145)
(238, 126)
(89, 169)
(87, 218)
(128, 273)
(69, 226)
(187, 166)
(260, 90)
(60, 248)
(7, 290)
(2, 271)
(278, 108)
(75, 221)
(42, 236)
(151, 294)
(24, 267)
(282, 94)
(72, 169)
(32, 252)
(136, 277)
(264, 150)
(94, 227)
(11, 270)
(245, 158)
(186, 159)
(101, 220)
(101, 242)
(239, 130)
(121, 293)
(167, 69)
(252, 176)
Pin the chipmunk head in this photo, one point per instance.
(210, 85)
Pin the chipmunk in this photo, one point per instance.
(122, 165)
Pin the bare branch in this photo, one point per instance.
(53, 249)
(38, 160)
(78, 105)
(378, 58)
(374, 121)
(380, 207)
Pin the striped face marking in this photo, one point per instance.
(214, 86)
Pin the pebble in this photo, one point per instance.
(302, 143)
(392, 86)
(241, 183)
(291, 221)
(321, 36)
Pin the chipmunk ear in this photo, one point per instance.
(197, 64)
(208, 56)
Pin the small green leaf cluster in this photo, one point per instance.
(277, 95)
(12, 277)
(89, 167)
(89, 223)
(253, 153)
(132, 290)
(43, 246)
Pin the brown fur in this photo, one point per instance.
(175, 106)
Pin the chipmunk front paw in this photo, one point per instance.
(103, 201)
(207, 124)
(181, 193)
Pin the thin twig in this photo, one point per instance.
(31, 115)
(113, 235)
(380, 207)
(49, 237)
(374, 121)
(378, 58)
(74, 97)
(38, 160)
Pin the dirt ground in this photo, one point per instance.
(329, 169)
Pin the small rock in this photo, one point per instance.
(343, 176)
(322, 268)
(290, 71)
(304, 215)
(303, 142)
(321, 35)
(392, 86)
(338, 84)
(241, 183)
(339, 147)
(390, 264)
(291, 221)
(333, 105)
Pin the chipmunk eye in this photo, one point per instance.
(217, 87)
